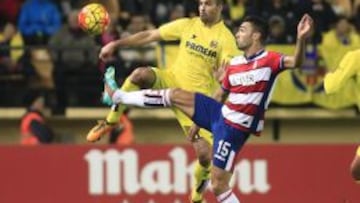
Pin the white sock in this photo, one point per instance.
(143, 98)
(227, 197)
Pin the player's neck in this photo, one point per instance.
(212, 23)
(251, 51)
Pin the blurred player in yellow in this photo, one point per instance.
(205, 42)
(348, 68)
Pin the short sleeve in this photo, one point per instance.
(173, 30)
(277, 62)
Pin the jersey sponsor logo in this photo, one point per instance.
(249, 78)
(244, 79)
(200, 49)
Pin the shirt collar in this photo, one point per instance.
(254, 55)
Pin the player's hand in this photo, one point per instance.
(193, 133)
(305, 27)
(219, 72)
(107, 51)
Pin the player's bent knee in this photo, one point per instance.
(204, 159)
(143, 77)
(175, 94)
(203, 152)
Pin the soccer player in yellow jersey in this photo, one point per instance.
(348, 68)
(205, 42)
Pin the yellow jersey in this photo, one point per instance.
(348, 67)
(201, 49)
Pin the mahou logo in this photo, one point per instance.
(114, 172)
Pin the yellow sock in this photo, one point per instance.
(201, 174)
(116, 111)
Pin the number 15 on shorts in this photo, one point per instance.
(224, 155)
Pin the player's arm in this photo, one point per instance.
(303, 31)
(137, 39)
(347, 68)
(169, 31)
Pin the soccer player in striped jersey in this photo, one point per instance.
(246, 82)
(205, 42)
(348, 68)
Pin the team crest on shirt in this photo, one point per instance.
(213, 44)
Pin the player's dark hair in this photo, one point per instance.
(259, 25)
(219, 2)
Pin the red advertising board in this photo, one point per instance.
(162, 174)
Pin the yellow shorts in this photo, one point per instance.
(358, 151)
(167, 79)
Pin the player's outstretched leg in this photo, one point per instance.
(139, 77)
(183, 100)
(147, 98)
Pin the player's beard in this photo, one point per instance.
(204, 18)
(243, 45)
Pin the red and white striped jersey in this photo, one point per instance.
(249, 82)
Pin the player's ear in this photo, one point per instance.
(219, 4)
(256, 36)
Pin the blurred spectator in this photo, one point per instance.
(284, 11)
(82, 46)
(9, 58)
(160, 9)
(38, 21)
(356, 14)
(278, 32)
(191, 8)
(40, 62)
(34, 63)
(34, 129)
(138, 56)
(9, 10)
(130, 7)
(78, 57)
(342, 35)
(177, 12)
(342, 7)
(237, 9)
(322, 13)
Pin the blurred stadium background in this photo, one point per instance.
(303, 154)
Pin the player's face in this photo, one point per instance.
(209, 11)
(244, 36)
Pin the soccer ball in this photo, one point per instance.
(93, 18)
